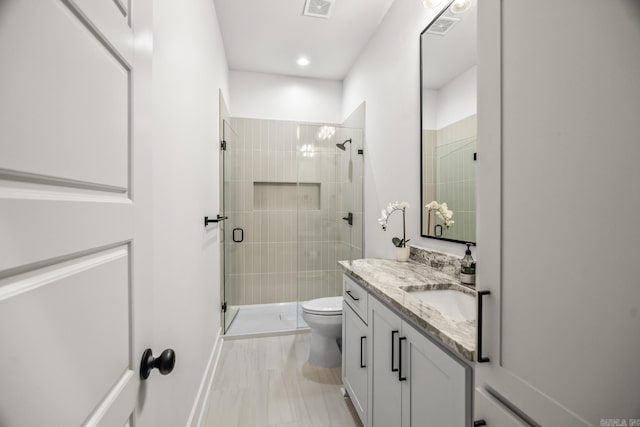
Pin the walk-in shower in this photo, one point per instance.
(286, 191)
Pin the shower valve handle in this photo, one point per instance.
(349, 218)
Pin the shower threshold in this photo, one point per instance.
(266, 319)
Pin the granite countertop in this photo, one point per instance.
(383, 278)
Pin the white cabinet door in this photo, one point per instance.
(386, 395)
(355, 360)
(561, 323)
(74, 210)
(434, 393)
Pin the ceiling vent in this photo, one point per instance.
(318, 8)
(442, 25)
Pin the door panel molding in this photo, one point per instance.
(29, 177)
(65, 110)
(106, 22)
(43, 276)
(68, 328)
(117, 406)
(66, 227)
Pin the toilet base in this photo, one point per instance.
(324, 351)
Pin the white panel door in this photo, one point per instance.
(74, 210)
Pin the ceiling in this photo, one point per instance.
(268, 36)
(446, 57)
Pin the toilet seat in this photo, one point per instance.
(329, 306)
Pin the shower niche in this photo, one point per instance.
(287, 186)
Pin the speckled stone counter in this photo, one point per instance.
(384, 279)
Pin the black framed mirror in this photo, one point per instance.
(448, 123)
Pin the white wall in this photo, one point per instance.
(386, 76)
(429, 109)
(189, 67)
(458, 99)
(276, 97)
(453, 102)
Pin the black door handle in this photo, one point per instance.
(479, 423)
(481, 359)
(400, 377)
(349, 218)
(393, 355)
(352, 297)
(218, 218)
(164, 363)
(362, 364)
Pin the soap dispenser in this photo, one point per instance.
(468, 268)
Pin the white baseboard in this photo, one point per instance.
(199, 409)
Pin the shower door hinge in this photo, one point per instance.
(223, 145)
(224, 307)
(361, 151)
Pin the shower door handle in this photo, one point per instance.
(241, 235)
(217, 219)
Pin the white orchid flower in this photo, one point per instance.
(442, 211)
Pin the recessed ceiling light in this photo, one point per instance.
(431, 3)
(460, 6)
(302, 61)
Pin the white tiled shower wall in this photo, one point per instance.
(291, 242)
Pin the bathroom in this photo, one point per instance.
(180, 181)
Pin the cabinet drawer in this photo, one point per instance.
(493, 412)
(356, 296)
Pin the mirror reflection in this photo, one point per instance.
(448, 59)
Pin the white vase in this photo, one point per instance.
(402, 254)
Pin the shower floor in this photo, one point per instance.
(265, 318)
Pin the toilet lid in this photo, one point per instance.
(325, 306)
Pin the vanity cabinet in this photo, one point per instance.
(394, 374)
(415, 383)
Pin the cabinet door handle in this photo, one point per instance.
(393, 355)
(400, 377)
(352, 297)
(479, 356)
(362, 364)
(479, 423)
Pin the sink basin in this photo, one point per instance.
(454, 304)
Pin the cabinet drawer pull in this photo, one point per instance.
(400, 377)
(479, 423)
(479, 356)
(352, 297)
(393, 355)
(362, 364)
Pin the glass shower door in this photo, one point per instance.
(231, 207)
(330, 189)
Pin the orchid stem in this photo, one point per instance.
(404, 229)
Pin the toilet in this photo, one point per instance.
(324, 317)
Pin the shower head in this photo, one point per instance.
(343, 145)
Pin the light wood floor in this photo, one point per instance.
(268, 382)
